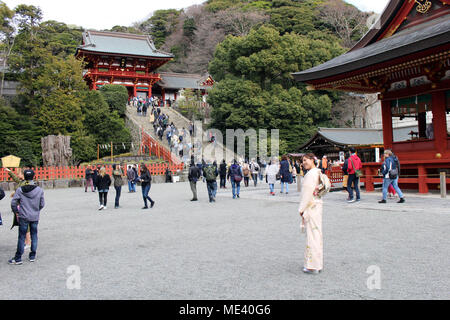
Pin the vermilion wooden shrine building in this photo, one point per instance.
(132, 61)
(405, 58)
(120, 58)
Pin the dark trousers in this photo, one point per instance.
(353, 180)
(194, 189)
(223, 181)
(255, 178)
(212, 190)
(246, 181)
(118, 193)
(145, 192)
(103, 198)
(23, 229)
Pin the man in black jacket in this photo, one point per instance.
(194, 176)
(223, 175)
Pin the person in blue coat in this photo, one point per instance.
(286, 174)
(391, 173)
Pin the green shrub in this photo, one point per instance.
(116, 96)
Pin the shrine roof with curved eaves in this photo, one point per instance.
(379, 45)
(419, 38)
(121, 44)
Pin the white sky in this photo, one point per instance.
(104, 14)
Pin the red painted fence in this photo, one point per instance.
(69, 173)
(152, 147)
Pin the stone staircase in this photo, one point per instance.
(180, 122)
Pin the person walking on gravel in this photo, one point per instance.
(103, 184)
(146, 183)
(27, 203)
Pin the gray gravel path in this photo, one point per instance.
(250, 248)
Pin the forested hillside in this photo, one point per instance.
(53, 99)
(192, 34)
(251, 48)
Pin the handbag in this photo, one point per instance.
(393, 173)
(358, 173)
(237, 178)
(345, 182)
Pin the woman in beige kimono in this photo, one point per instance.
(311, 208)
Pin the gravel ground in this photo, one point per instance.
(250, 248)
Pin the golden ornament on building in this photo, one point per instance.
(423, 6)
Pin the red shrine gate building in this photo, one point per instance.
(405, 58)
(120, 58)
(132, 61)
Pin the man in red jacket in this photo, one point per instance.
(354, 163)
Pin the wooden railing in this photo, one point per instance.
(152, 147)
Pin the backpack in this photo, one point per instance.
(246, 171)
(324, 185)
(393, 173)
(210, 174)
(397, 163)
(237, 174)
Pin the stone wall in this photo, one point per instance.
(135, 132)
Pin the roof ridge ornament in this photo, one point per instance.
(423, 6)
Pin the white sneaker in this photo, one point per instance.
(27, 247)
(105, 208)
(101, 208)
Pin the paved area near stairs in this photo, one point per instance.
(250, 248)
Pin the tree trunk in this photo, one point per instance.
(56, 151)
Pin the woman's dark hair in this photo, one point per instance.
(285, 157)
(114, 166)
(144, 169)
(310, 156)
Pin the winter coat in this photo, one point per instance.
(389, 164)
(118, 178)
(146, 178)
(272, 172)
(131, 175)
(30, 198)
(103, 183)
(286, 175)
(345, 167)
(194, 174)
(89, 174)
(356, 161)
(235, 170)
(223, 169)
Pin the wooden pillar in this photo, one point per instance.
(163, 94)
(439, 121)
(135, 90)
(150, 91)
(369, 183)
(388, 136)
(423, 187)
